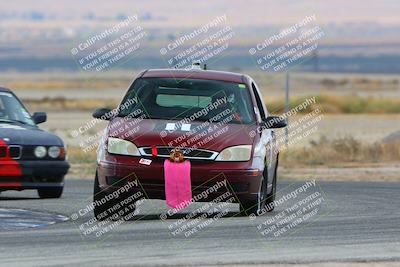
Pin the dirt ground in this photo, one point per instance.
(370, 172)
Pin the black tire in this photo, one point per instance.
(55, 192)
(110, 208)
(271, 196)
(248, 208)
(97, 196)
(265, 202)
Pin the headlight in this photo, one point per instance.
(54, 152)
(235, 153)
(40, 152)
(122, 147)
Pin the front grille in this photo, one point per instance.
(189, 153)
(3, 151)
(12, 151)
(15, 151)
(28, 154)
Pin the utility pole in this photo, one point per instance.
(316, 61)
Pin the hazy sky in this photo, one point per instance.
(245, 13)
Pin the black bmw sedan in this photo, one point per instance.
(30, 158)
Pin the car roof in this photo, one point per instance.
(3, 89)
(195, 74)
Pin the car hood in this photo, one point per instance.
(211, 136)
(20, 134)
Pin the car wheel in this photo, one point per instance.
(50, 192)
(97, 196)
(271, 196)
(264, 201)
(251, 207)
(113, 208)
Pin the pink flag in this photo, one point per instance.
(178, 189)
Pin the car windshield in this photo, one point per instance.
(194, 99)
(11, 110)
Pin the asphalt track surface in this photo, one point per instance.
(356, 222)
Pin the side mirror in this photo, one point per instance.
(102, 114)
(273, 122)
(39, 117)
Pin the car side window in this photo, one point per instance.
(3, 114)
(258, 100)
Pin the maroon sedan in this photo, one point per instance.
(219, 122)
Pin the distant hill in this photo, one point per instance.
(360, 36)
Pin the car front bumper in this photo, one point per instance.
(20, 175)
(242, 181)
